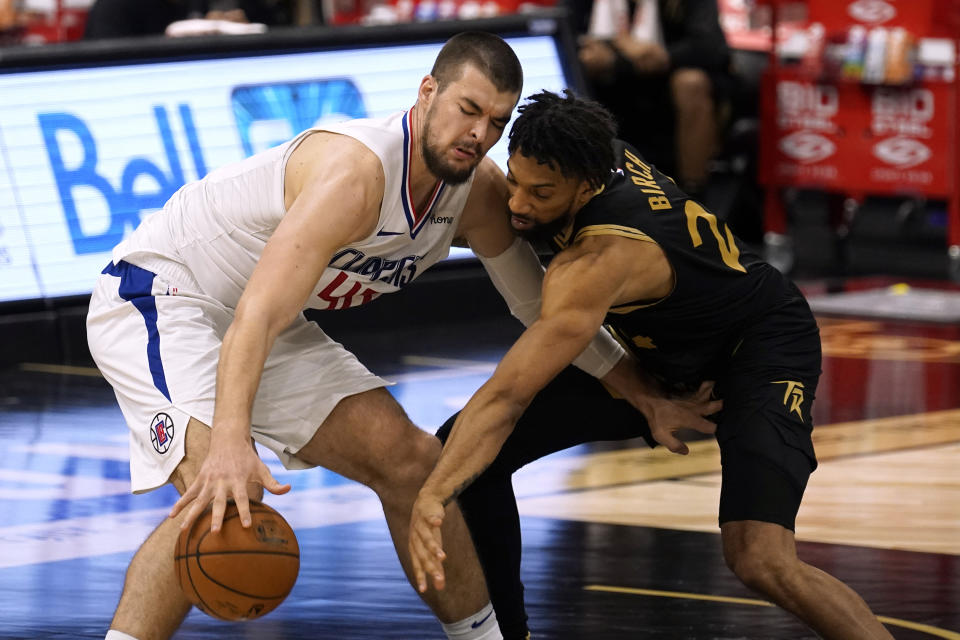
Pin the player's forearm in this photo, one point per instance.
(518, 277)
(544, 349)
(627, 379)
(474, 443)
(601, 356)
(242, 357)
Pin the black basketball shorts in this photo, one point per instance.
(765, 429)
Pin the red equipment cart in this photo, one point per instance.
(821, 130)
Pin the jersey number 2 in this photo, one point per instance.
(729, 252)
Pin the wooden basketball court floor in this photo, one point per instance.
(619, 541)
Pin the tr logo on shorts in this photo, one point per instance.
(793, 394)
(161, 432)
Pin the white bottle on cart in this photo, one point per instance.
(875, 59)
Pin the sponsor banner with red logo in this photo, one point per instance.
(930, 18)
(804, 137)
(853, 138)
(912, 15)
(903, 139)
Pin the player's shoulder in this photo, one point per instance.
(488, 173)
(488, 194)
(325, 160)
(327, 149)
(488, 182)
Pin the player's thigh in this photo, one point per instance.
(766, 449)
(765, 430)
(318, 404)
(196, 448)
(369, 438)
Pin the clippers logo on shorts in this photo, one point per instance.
(793, 396)
(161, 432)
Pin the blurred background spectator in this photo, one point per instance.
(8, 14)
(11, 22)
(126, 18)
(662, 68)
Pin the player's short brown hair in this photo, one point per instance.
(487, 52)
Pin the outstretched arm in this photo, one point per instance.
(331, 208)
(513, 265)
(577, 292)
(580, 286)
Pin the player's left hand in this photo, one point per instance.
(426, 541)
(666, 416)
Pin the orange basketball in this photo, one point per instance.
(238, 573)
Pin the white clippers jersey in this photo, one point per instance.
(217, 227)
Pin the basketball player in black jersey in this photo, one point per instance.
(691, 304)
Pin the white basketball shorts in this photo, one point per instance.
(158, 343)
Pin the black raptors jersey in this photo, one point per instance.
(721, 288)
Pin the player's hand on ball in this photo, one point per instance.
(231, 464)
(426, 542)
(668, 415)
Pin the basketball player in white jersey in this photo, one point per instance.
(197, 322)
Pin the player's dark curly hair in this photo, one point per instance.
(566, 133)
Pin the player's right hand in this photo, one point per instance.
(231, 464)
(425, 542)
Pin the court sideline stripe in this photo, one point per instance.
(906, 624)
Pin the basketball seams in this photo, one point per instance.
(200, 603)
(241, 593)
(217, 582)
(256, 552)
(199, 579)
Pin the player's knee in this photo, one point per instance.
(757, 567)
(405, 462)
(419, 457)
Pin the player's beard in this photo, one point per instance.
(439, 167)
(542, 232)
